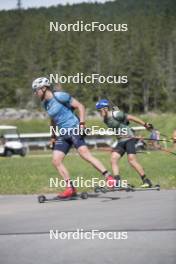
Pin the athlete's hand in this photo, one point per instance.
(82, 128)
(52, 143)
(140, 137)
(148, 126)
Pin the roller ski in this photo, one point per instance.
(129, 188)
(99, 189)
(77, 196)
(113, 185)
(146, 186)
(67, 195)
(154, 188)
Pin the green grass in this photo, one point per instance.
(31, 174)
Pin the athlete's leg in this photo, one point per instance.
(117, 152)
(57, 160)
(84, 152)
(135, 164)
(61, 148)
(115, 157)
(131, 153)
(86, 155)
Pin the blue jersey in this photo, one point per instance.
(60, 111)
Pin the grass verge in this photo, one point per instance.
(31, 174)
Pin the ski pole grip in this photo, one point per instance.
(148, 126)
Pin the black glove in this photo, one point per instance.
(82, 132)
(149, 126)
(52, 142)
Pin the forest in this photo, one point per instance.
(145, 53)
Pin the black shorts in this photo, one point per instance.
(127, 146)
(64, 143)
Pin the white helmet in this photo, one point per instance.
(39, 83)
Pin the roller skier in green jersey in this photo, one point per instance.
(117, 119)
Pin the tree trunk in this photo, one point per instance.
(145, 96)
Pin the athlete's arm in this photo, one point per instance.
(53, 135)
(140, 122)
(81, 109)
(53, 125)
(135, 119)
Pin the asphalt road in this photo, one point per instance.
(149, 218)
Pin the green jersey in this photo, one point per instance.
(119, 122)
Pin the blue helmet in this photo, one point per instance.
(102, 103)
